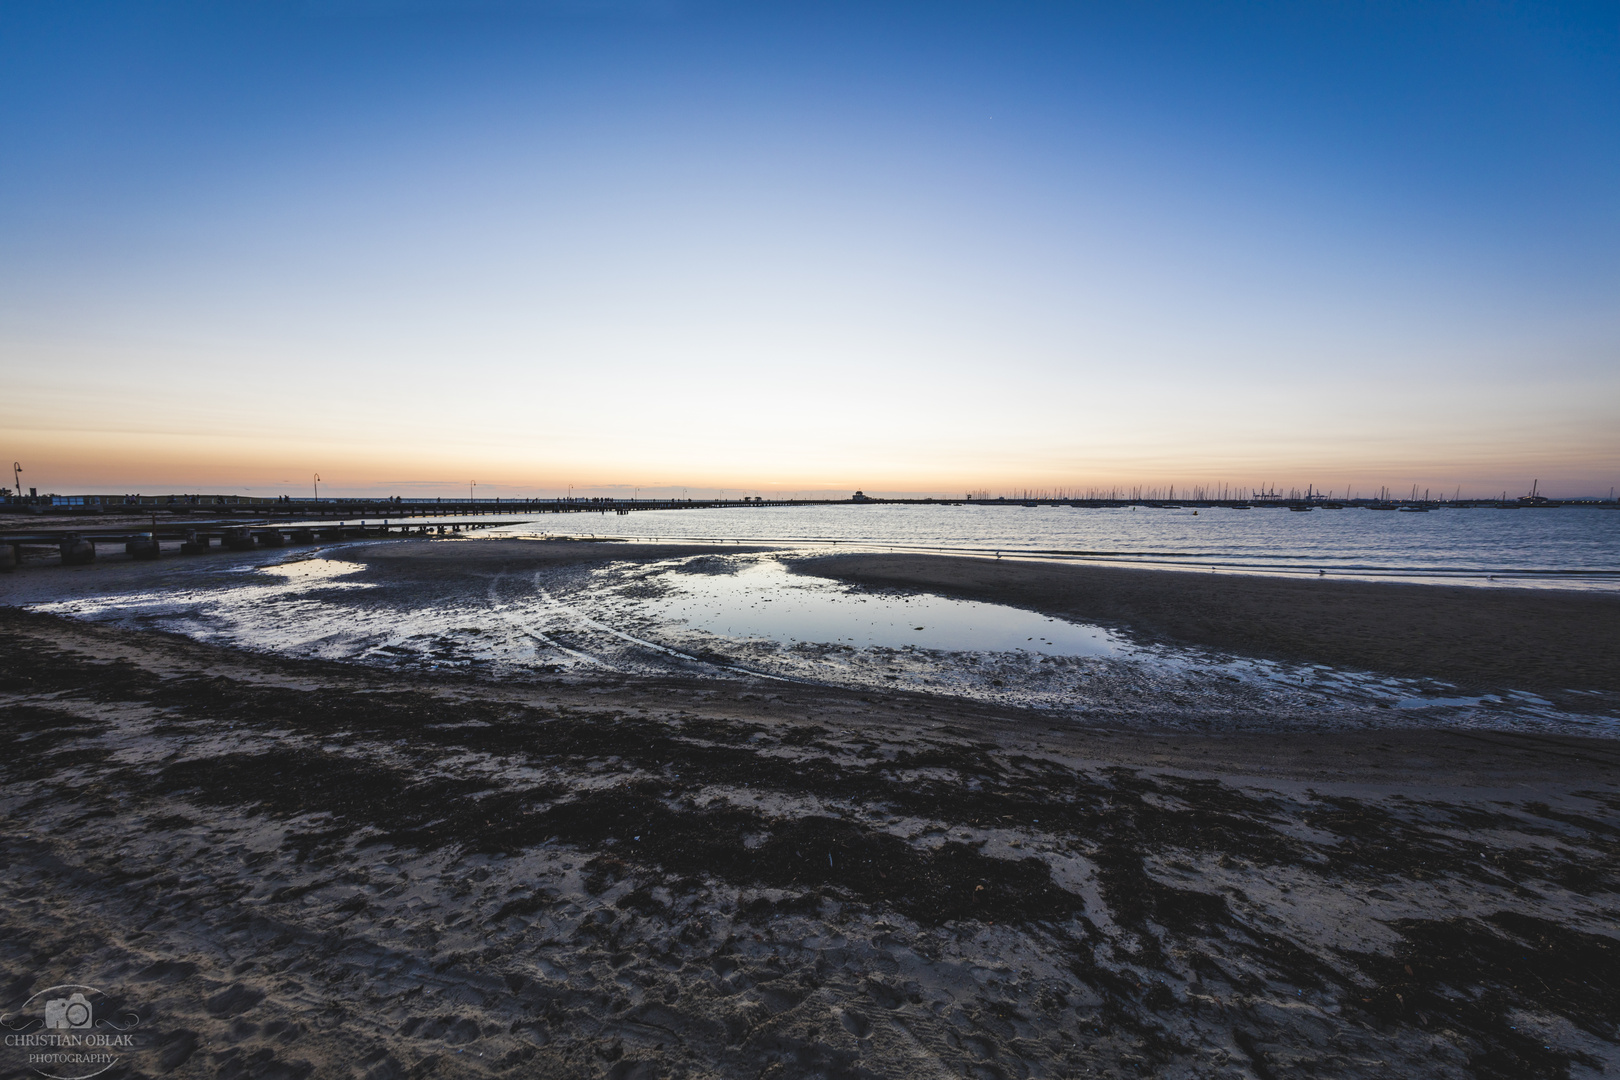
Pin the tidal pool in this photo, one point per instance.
(762, 599)
(725, 616)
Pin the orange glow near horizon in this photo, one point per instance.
(367, 459)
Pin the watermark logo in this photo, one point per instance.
(68, 1032)
(71, 1013)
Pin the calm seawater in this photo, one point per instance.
(1567, 547)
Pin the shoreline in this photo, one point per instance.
(1550, 642)
(1191, 652)
(1475, 570)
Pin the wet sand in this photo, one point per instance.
(1478, 638)
(425, 560)
(297, 868)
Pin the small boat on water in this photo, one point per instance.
(1312, 500)
(1536, 499)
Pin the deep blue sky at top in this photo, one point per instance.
(1449, 112)
(1382, 173)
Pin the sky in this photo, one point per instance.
(667, 246)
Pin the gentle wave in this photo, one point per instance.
(1568, 547)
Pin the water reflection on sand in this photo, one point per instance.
(725, 616)
(758, 598)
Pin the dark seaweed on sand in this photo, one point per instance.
(668, 812)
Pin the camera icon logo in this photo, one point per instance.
(71, 1013)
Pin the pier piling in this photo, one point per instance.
(144, 546)
(76, 552)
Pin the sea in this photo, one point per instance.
(732, 613)
(1568, 547)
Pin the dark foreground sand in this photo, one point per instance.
(1552, 641)
(299, 869)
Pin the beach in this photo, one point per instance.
(1549, 641)
(294, 867)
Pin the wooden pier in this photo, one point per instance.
(76, 547)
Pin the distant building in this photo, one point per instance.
(860, 496)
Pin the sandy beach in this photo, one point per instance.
(1550, 641)
(292, 867)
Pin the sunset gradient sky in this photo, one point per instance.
(809, 246)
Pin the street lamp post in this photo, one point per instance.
(16, 477)
(317, 487)
(470, 485)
